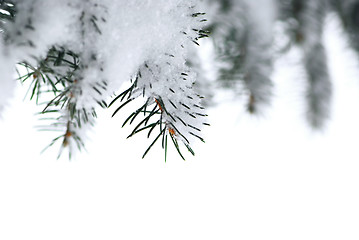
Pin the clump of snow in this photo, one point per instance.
(38, 25)
(126, 34)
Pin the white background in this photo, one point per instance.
(266, 177)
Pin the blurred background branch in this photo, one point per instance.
(249, 36)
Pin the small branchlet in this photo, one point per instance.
(58, 75)
(158, 117)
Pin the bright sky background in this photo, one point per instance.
(255, 178)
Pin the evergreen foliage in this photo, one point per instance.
(244, 33)
(77, 54)
(73, 65)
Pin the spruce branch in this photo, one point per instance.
(176, 109)
(243, 46)
(166, 112)
(61, 73)
(64, 73)
(57, 75)
(309, 17)
(156, 116)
